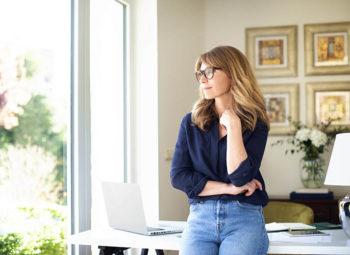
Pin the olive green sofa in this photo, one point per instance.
(276, 211)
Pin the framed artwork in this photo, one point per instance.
(272, 51)
(327, 48)
(281, 103)
(328, 101)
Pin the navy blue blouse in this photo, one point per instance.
(201, 156)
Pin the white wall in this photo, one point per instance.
(180, 41)
(187, 28)
(279, 171)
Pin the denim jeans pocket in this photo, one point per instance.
(248, 206)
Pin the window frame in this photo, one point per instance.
(79, 199)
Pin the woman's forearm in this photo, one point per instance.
(212, 188)
(236, 152)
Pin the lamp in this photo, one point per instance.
(338, 173)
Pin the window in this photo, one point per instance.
(34, 113)
(108, 93)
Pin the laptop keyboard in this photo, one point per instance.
(162, 231)
(154, 229)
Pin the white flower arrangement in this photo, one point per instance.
(312, 141)
(303, 134)
(317, 137)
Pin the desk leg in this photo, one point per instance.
(158, 252)
(105, 250)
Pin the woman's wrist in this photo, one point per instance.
(232, 129)
(225, 188)
(212, 188)
(230, 189)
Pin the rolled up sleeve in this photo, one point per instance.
(255, 147)
(182, 174)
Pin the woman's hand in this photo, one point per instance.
(249, 188)
(230, 119)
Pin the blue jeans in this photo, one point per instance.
(225, 228)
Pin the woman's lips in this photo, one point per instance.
(206, 88)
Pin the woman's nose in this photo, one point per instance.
(203, 79)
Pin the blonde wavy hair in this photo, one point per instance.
(248, 102)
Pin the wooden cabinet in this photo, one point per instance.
(324, 210)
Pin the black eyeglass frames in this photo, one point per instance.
(207, 72)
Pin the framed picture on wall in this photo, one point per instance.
(328, 101)
(327, 48)
(272, 51)
(281, 103)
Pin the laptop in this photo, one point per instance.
(125, 210)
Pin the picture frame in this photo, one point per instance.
(328, 100)
(272, 51)
(282, 105)
(327, 48)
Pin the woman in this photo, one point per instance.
(217, 159)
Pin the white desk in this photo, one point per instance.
(115, 238)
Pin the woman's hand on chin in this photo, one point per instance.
(229, 119)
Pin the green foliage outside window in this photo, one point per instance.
(36, 128)
(48, 240)
(32, 152)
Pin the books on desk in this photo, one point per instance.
(308, 236)
(326, 226)
(287, 226)
(306, 233)
(311, 196)
(295, 233)
(312, 191)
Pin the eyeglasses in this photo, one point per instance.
(207, 72)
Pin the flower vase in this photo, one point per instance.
(312, 172)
